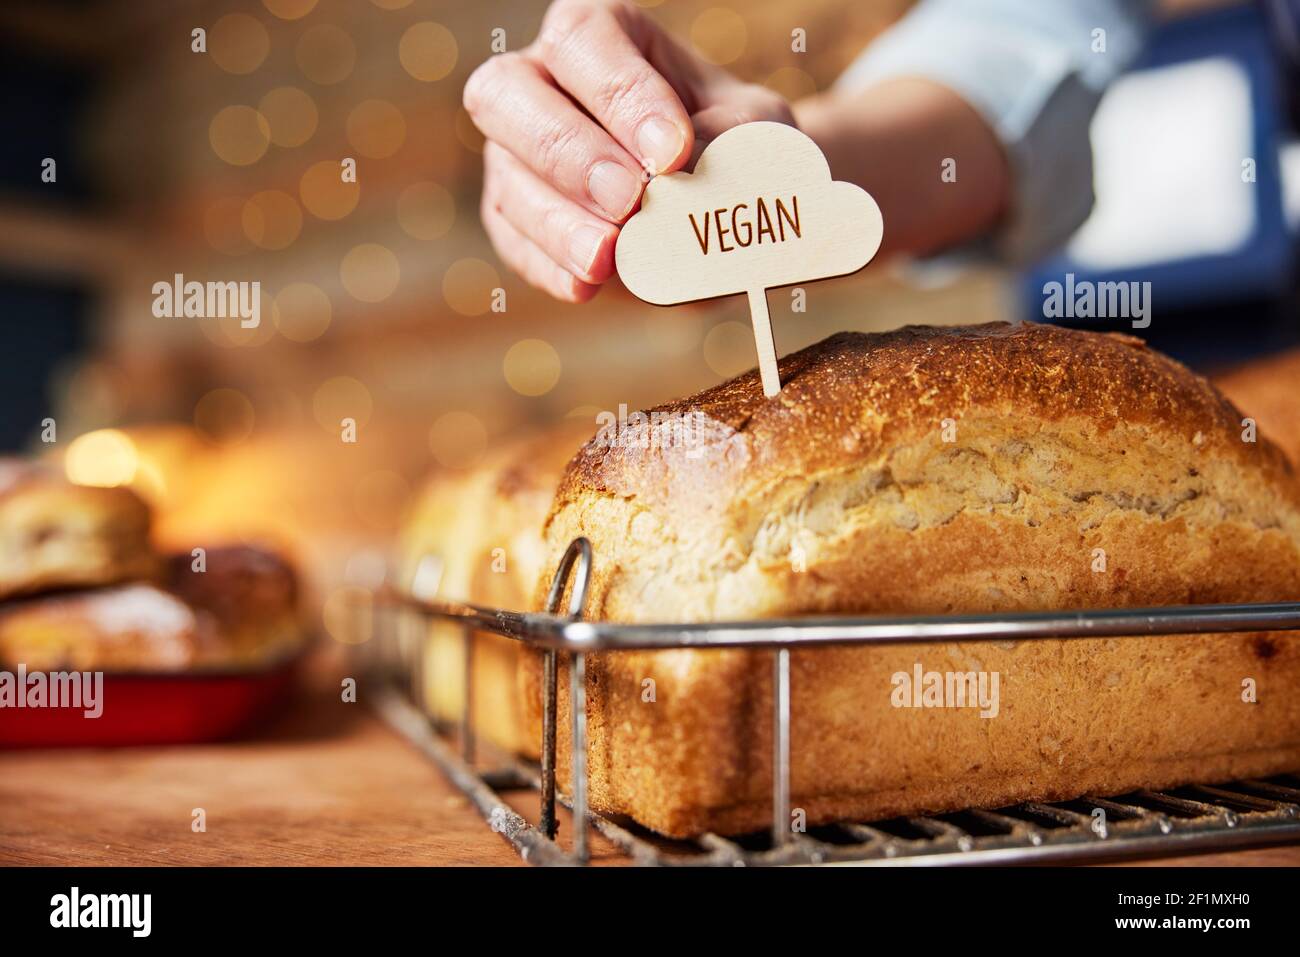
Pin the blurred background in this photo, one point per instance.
(377, 295)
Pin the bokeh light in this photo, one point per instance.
(238, 43)
(326, 54)
(230, 331)
(339, 398)
(223, 226)
(729, 348)
(239, 135)
(458, 440)
(531, 367)
(289, 9)
(376, 129)
(467, 132)
(347, 616)
(325, 194)
(428, 51)
(302, 312)
(792, 83)
(468, 284)
(105, 458)
(426, 211)
(291, 115)
(370, 272)
(719, 35)
(272, 219)
(224, 416)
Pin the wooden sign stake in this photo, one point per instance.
(760, 211)
(764, 342)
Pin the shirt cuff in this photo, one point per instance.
(1031, 71)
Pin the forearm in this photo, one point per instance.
(895, 139)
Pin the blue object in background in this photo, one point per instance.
(1241, 294)
(41, 323)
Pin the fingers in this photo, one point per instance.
(523, 256)
(513, 103)
(572, 237)
(587, 48)
(733, 105)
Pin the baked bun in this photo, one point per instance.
(54, 534)
(934, 470)
(241, 612)
(250, 595)
(479, 535)
(123, 628)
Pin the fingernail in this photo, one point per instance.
(613, 188)
(584, 246)
(660, 142)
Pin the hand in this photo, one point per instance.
(578, 122)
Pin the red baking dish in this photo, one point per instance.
(156, 708)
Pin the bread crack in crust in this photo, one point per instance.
(935, 470)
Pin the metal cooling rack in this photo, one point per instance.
(1197, 817)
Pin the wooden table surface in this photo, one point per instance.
(326, 783)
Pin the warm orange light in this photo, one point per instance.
(468, 284)
(239, 135)
(105, 458)
(531, 367)
(428, 51)
(376, 129)
(324, 192)
(370, 272)
(719, 35)
(426, 211)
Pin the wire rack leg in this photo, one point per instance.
(578, 707)
(576, 563)
(781, 747)
(549, 708)
(419, 680)
(410, 640)
(467, 709)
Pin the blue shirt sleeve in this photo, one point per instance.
(1035, 70)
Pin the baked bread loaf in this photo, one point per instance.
(54, 534)
(241, 612)
(1265, 390)
(933, 470)
(482, 529)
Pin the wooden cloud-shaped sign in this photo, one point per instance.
(760, 211)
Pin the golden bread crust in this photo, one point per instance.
(484, 528)
(988, 468)
(54, 534)
(1266, 390)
